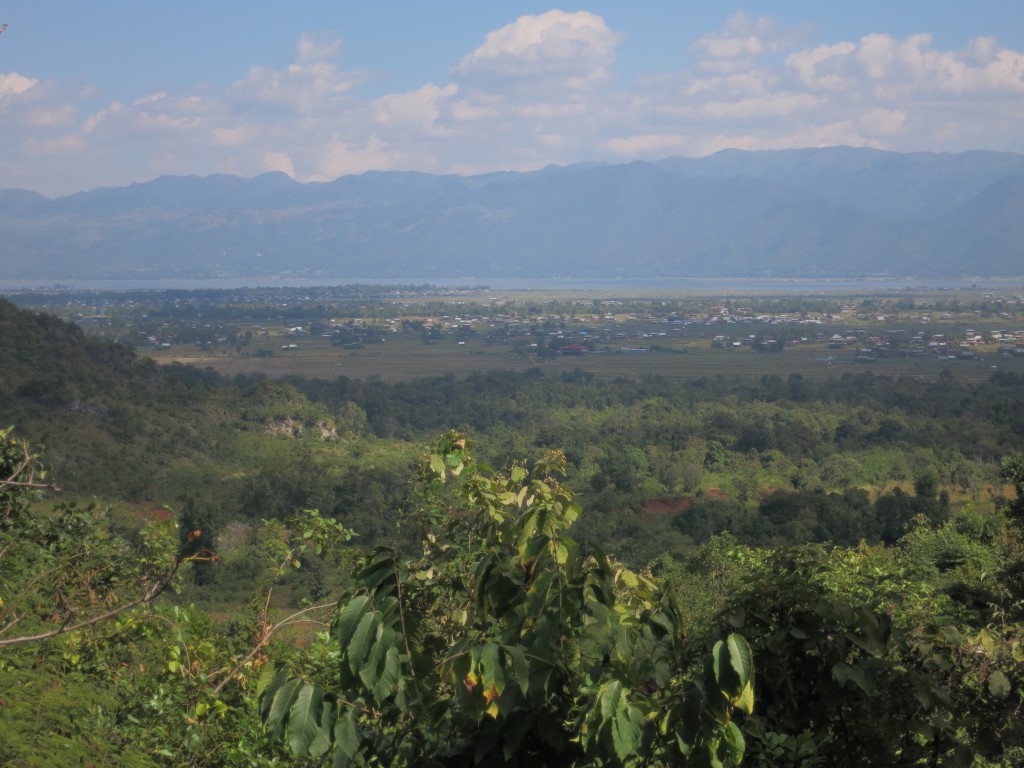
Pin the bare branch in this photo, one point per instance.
(265, 638)
(148, 596)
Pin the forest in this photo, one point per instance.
(782, 562)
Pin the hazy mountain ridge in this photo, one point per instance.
(815, 212)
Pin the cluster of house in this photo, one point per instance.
(896, 344)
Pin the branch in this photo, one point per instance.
(39, 486)
(26, 462)
(148, 596)
(264, 639)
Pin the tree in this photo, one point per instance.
(1012, 471)
(63, 571)
(509, 643)
(93, 667)
(861, 663)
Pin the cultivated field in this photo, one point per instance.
(405, 357)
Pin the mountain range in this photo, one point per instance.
(833, 212)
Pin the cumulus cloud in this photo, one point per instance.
(540, 90)
(647, 144)
(417, 111)
(52, 117)
(554, 49)
(757, 85)
(279, 161)
(322, 47)
(13, 84)
(911, 66)
(743, 40)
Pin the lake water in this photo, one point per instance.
(701, 285)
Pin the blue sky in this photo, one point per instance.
(106, 93)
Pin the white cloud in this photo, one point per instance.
(310, 84)
(235, 136)
(911, 68)
(744, 39)
(821, 68)
(150, 99)
(321, 47)
(14, 84)
(557, 49)
(63, 145)
(879, 121)
(539, 90)
(279, 161)
(339, 158)
(417, 110)
(648, 144)
(774, 105)
(52, 117)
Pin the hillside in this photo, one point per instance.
(815, 212)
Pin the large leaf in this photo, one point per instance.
(390, 675)
(280, 704)
(321, 744)
(362, 641)
(269, 688)
(999, 684)
(733, 666)
(859, 675)
(741, 658)
(520, 667)
(380, 672)
(491, 672)
(346, 741)
(350, 616)
(305, 719)
(627, 727)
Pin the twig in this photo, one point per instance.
(147, 597)
(264, 638)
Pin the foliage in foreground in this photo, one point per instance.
(509, 643)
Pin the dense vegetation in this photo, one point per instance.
(661, 464)
(873, 564)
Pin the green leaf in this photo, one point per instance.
(609, 699)
(281, 704)
(861, 677)
(267, 689)
(733, 743)
(520, 667)
(437, 465)
(527, 527)
(491, 673)
(626, 728)
(361, 643)
(388, 677)
(746, 700)
(321, 743)
(741, 658)
(999, 685)
(725, 675)
(350, 616)
(346, 741)
(304, 719)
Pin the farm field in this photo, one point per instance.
(405, 357)
(375, 331)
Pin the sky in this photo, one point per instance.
(111, 92)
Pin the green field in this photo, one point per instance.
(405, 357)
